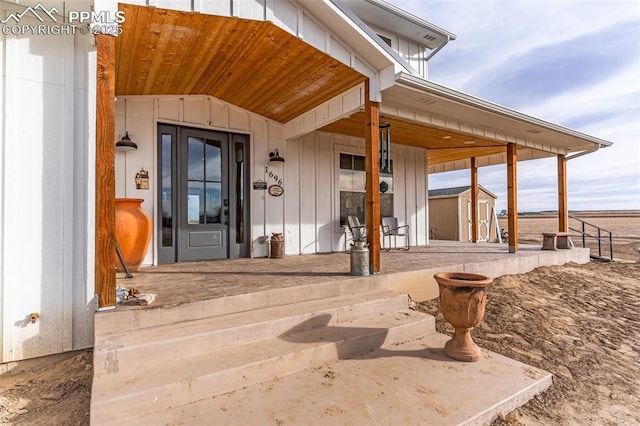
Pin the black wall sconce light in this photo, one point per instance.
(126, 144)
(275, 156)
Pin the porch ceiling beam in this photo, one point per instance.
(105, 267)
(563, 209)
(512, 197)
(372, 169)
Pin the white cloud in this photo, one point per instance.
(501, 39)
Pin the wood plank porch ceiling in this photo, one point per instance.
(442, 145)
(252, 64)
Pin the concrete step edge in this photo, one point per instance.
(182, 342)
(136, 318)
(305, 350)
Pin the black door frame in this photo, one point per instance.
(238, 179)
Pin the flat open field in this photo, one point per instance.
(625, 228)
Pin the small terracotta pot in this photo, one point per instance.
(133, 232)
(462, 302)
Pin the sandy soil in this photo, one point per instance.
(625, 229)
(52, 390)
(579, 322)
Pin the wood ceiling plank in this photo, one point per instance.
(316, 94)
(291, 77)
(437, 156)
(152, 65)
(189, 55)
(176, 51)
(221, 60)
(138, 32)
(252, 64)
(123, 48)
(269, 79)
(212, 33)
(237, 58)
(281, 63)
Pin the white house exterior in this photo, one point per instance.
(48, 152)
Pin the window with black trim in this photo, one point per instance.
(352, 189)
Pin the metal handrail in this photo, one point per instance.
(598, 237)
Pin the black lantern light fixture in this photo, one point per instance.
(126, 144)
(275, 156)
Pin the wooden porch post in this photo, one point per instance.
(512, 197)
(105, 266)
(563, 211)
(474, 200)
(372, 168)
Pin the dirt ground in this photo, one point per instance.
(624, 226)
(48, 391)
(579, 322)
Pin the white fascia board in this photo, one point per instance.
(338, 20)
(387, 77)
(400, 22)
(489, 107)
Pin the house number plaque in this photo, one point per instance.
(276, 190)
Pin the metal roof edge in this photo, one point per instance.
(457, 194)
(464, 98)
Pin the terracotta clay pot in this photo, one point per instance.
(463, 298)
(133, 232)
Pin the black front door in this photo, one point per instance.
(202, 196)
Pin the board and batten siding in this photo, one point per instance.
(143, 115)
(47, 157)
(308, 211)
(408, 50)
(312, 193)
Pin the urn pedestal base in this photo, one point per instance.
(462, 302)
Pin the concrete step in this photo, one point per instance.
(134, 350)
(135, 319)
(134, 394)
(411, 383)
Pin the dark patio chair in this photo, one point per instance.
(390, 229)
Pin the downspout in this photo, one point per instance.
(580, 154)
(437, 49)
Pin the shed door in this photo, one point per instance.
(483, 220)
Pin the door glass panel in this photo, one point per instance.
(167, 207)
(239, 148)
(195, 203)
(196, 159)
(213, 204)
(213, 160)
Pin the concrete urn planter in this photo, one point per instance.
(462, 302)
(133, 232)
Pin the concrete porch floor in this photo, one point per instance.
(405, 271)
(405, 380)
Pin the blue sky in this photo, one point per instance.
(575, 63)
